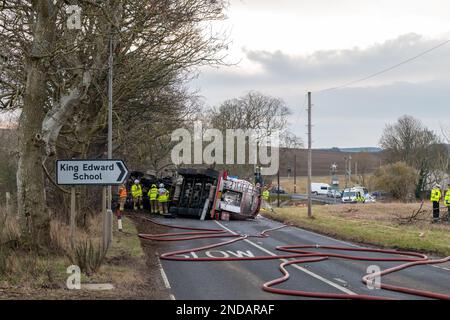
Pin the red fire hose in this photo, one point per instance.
(300, 256)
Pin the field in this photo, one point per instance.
(288, 183)
(384, 225)
(366, 162)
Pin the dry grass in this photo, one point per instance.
(9, 227)
(377, 224)
(26, 275)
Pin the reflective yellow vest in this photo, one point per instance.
(163, 197)
(266, 195)
(136, 191)
(153, 193)
(447, 198)
(436, 195)
(360, 198)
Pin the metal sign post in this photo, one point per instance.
(72, 216)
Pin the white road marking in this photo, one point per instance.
(321, 235)
(439, 267)
(163, 275)
(312, 274)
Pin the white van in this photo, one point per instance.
(349, 194)
(320, 188)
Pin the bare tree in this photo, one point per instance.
(253, 111)
(57, 77)
(411, 142)
(290, 140)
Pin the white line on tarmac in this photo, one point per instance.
(312, 274)
(439, 267)
(163, 275)
(321, 235)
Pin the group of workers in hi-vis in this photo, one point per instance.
(436, 196)
(158, 197)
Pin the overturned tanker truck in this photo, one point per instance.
(211, 194)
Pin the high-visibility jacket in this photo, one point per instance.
(436, 195)
(136, 190)
(163, 195)
(153, 193)
(122, 192)
(266, 195)
(360, 198)
(447, 198)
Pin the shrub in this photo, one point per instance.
(399, 179)
(89, 256)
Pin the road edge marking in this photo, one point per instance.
(312, 274)
(165, 278)
(164, 275)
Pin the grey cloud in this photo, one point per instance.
(348, 64)
(353, 116)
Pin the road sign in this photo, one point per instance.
(90, 172)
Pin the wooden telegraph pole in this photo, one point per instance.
(309, 156)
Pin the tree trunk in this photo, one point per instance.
(30, 176)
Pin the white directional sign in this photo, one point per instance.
(90, 172)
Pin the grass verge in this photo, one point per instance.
(29, 276)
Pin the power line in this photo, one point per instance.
(387, 69)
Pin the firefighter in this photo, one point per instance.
(163, 198)
(266, 195)
(153, 195)
(447, 202)
(136, 192)
(436, 196)
(122, 195)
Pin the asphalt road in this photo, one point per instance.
(241, 280)
(318, 198)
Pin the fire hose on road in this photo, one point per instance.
(300, 254)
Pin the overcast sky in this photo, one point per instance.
(288, 47)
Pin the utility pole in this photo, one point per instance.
(350, 169)
(110, 105)
(346, 171)
(309, 156)
(295, 171)
(278, 190)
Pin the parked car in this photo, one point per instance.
(320, 188)
(381, 195)
(276, 190)
(370, 199)
(334, 194)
